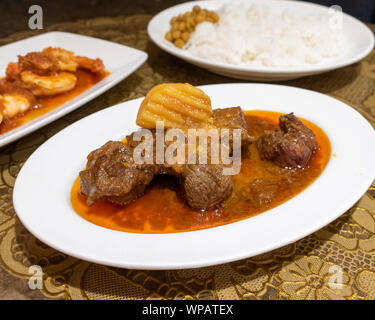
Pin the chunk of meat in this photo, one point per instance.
(232, 118)
(205, 186)
(291, 147)
(291, 125)
(112, 175)
(262, 191)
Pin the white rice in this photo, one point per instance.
(253, 35)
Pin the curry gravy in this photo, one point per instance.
(162, 208)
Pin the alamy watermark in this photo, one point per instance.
(36, 280)
(336, 16)
(191, 146)
(36, 19)
(335, 282)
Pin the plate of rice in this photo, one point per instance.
(261, 40)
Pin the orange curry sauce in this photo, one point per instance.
(85, 80)
(162, 208)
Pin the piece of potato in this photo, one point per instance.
(179, 105)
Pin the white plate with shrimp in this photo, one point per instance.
(119, 61)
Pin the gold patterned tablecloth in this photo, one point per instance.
(300, 270)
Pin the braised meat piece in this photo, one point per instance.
(112, 175)
(232, 118)
(292, 125)
(291, 146)
(262, 191)
(205, 186)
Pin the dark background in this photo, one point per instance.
(14, 13)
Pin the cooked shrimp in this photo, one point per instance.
(1, 112)
(93, 65)
(13, 71)
(13, 104)
(49, 85)
(65, 59)
(49, 62)
(13, 99)
(38, 62)
(48, 72)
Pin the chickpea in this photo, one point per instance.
(185, 36)
(182, 26)
(179, 43)
(175, 26)
(168, 36)
(199, 19)
(189, 22)
(176, 34)
(214, 16)
(196, 8)
(173, 20)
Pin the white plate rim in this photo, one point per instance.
(24, 210)
(77, 101)
(270, 71)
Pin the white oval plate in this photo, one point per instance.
(119, 60)
(42, 190)
(358, 35)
